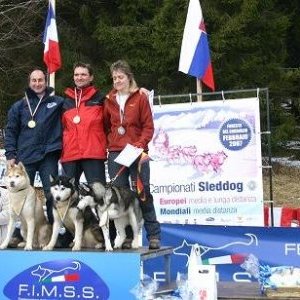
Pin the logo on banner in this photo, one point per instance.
(198, 251)
(59, 279)
(235, 134)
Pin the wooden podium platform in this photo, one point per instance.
(239, 291)
(232, 291)
(243, 291)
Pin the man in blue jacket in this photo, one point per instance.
(33, 133)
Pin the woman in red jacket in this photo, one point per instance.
(84, 139)
(128, 119)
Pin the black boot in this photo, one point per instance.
(151, 224)
(154, 243)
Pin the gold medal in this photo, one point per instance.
(76, 119)
(31, 124)
(121, 130)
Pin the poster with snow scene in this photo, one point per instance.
(206, 163)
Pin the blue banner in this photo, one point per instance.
(68, 275)
(227, 247)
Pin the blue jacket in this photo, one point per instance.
(30, 145)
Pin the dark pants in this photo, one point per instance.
(151, 224)
(46, 167)
(94, 170)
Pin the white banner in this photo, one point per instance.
(206, 166)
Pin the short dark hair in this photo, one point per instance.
(37, 69)
(84, 65)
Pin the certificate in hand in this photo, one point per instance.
(128, 155)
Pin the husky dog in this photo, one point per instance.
(25, 205)
(119, 204)
(83, 225)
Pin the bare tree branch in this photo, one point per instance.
(21, 28)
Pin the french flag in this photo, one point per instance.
(52, 56)
(194, 56)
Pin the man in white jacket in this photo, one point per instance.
(4, 213)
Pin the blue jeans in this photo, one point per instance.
(151, 224)
(46, 167)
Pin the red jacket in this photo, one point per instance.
(87, 138)
(138, 121)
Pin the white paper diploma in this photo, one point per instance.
(128, 155)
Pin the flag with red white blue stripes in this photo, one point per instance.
(195, 55)
(52, 57)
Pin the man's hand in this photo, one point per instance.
(144, 91)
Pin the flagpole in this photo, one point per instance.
(52, 75)
(52, 80)
(199, 89)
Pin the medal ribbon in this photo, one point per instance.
(121, 101)
(36, 108)
(77, 99)
(62, 217)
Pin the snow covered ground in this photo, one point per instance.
(286, 161)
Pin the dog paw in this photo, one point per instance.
(3, 246)
(76, 248)
(118, 245)
(28, 248)
(21, 245)
(100, 246)
(135, 245)
(118, 241)
(109, 248)
(42, 246)
(47, 248)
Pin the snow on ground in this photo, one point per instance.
(286, 161)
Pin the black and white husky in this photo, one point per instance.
(119, 204)
(83, 225)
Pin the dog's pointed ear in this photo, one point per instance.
(20, 164)
(51, 177)
(72, 181)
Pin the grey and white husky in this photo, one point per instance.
(119, 204)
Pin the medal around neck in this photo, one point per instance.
(62, 230)
(31, 124)
(76, 119)
(121, 130)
